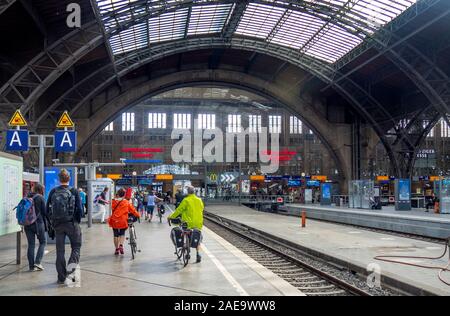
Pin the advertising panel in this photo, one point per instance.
(326, 194)
(95, 188)
(51, 178)
(404, 186)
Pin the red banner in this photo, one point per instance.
(142, 150)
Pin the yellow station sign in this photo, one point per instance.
(17, 120)
(65, 121)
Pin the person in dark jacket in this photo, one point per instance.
(179, 196)
(37, 229)
(65, 212)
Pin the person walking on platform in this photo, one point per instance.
(121, 208)
(151, 203)
(191, 212)
(37, 229)
(83, 201)
(102, 201)
(431, 202)
(179, 196)
(64, 210)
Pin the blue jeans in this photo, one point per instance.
(32, 231)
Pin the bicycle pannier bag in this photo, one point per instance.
(177, 237)
(195, 238)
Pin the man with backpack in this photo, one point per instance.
(65, 211)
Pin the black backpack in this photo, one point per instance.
(62, 205)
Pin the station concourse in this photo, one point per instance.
(304, 144)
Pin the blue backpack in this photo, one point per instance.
(26, 214)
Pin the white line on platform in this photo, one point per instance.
(354, 232)
(387, 238)
(225, 272)
(278, 283)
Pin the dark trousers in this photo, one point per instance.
(33, 231)
(73, 232)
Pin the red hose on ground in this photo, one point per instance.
(441, 269)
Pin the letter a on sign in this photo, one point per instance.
(65, 121)
(65, 141)
(17, 120)
(17, 140)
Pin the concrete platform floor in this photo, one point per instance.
(357, 246)
(224, 270)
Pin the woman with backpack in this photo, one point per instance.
(121, 208)
(37, 229)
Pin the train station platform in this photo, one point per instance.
(224, 269)
(348, 247)
(416, 222)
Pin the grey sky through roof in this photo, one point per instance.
(322, 29)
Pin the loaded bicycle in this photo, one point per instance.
(181, 239)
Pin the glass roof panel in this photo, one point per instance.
(131, 39)
(208, 19)
(332, 41)
(297, 29)
(168, 26)
(259, 20)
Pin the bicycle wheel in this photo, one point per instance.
(133, 243)
(160, 216)
(186, 250)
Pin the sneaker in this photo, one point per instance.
(121, 250)
(59, 282)
(199, 259)
(117, 252)
(39, 267)
(32, 269)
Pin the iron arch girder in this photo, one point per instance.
(6, 5)
(129, 64)
(36, 92)
(202, 78)
(312, 8)
(311, 65)
(48, 66)
(410, 61)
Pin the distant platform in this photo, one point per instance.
(416, 222)
(349, 247)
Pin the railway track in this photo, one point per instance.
(319, 279)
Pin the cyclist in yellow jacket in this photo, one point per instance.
(191, 212)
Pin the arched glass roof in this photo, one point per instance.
(323, 29)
